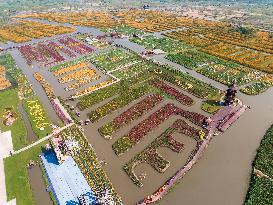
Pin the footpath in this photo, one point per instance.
(5, 149)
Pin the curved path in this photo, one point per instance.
(197, 154)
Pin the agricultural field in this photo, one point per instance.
(125, 30)
(166, 44)
(54, 52)
(24, 31)
(116, 110)
(91, 18)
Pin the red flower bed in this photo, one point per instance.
(57, 47)
(138, 109)
(50, 52)
(143, 128)
(180, 97)
(76, 46)
(32, 54)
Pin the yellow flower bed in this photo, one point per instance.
(94, 87)
(47, 87)
(37, 113)
(81, 74)
(70, 68)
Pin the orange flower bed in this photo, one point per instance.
(89, 18)
(70, 68)
(25, 31)
(4, 83)
(93, 88)
(81, 74)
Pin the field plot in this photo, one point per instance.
(25, 31)
(138, 106)
(88, 18)
(217, 69)
(156, 21)
(166, 44)
(152, 157)
(124, 30)
(50, 53)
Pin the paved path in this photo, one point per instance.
(42, 140)
(5, 148)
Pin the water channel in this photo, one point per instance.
(220, 177)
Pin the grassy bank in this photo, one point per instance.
(9, 99)
(17, 181)
(260, 191)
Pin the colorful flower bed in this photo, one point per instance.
(137, 133)
(98, 19)
(85, 73)
(131, 114)
(109, 91)
(49, 51)
(88, 162)
(93, 88)
(61, 48)
(70, 68)
(16, 76)
(48, 54)
(150, 154)
(132, 69)
(76, 46)
(46, 86)
(76, 62)
(37, 116)
(166, 44)
(180, 97)
(118, 102)
(4, 83)
(81, 82)
(188, 83)
(255, 88)
(113, 59)
(31, 54)
(213, 67)
(24, 31)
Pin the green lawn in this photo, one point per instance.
(17, 181)
(9, 99)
